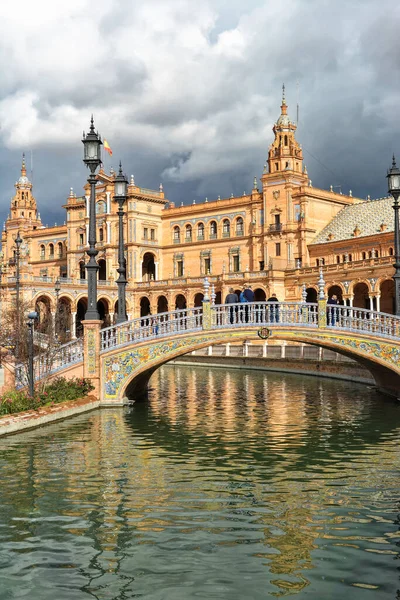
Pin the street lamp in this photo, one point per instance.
(92, 159)
(121, 187)
(393, 177)
(57, 289)
(32, 316)
(18, 242)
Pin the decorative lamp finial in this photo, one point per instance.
(255, 183)
(283, 94)
(71, 192)
(132, 180)
(206, 297)
(213, 295)
(304, 293)
(321, 285)
(161, 187)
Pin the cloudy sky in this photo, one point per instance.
(186, 92)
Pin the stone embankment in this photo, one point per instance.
(29, 419)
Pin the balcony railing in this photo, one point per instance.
(276, 227)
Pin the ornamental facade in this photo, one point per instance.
(275, 238)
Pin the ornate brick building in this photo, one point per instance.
(274, 238)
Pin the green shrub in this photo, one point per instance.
(57, 391)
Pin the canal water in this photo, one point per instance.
(224, 484)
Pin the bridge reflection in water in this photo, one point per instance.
(222, 485)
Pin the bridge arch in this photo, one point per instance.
(126, 372)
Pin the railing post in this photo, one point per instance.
(321, 301)
(91, 353)
(206, 306)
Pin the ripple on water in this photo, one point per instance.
(223, 485)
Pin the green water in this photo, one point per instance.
(223, 485)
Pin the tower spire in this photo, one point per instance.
(23, 166)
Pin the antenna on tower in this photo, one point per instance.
(32, 166)
(298, 94)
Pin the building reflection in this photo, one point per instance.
(264, 458)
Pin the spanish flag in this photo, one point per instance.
(107, 147)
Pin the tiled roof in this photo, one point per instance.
(366, 217)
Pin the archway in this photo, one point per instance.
(218, 297)
(102, 270)
(104, 312)
(259, 295)
(336, 290)
(144, 306)
(63, 320)
(311, 295)
(198, 300)
(162, 304)
(148, 267)
(387, 296)
(44, 321)
(361, 297)
(81, 309)
(180, 302)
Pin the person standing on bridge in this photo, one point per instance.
(332, 312)
(232, 298)
(274, 308)
(247, 295)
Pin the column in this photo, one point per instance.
(91, 354)
(378, 303)
(108, 202)
(87, 206)
(156, 271)
(108, 224)
(73, 326)
(371, 302)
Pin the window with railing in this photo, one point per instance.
(213, 230)
(188, 233)
(179, 268)
(60, 250)
(200, 231)
(235, 263)
(226, 228)
(51, 251)
(177, 235)
(239, 226)
(42, 252)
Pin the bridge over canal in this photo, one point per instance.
(120, 359)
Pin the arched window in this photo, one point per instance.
(350, 257)
(101, 235)
(177, 234)
(285, 140)
(200, 231)
(82, 270)
(51, 251)
(42, 252)
(188, 233)
(391, 252)
(338, 259)
(60, 250)
(213, 230)
(226, 228)
(364, 255)
(239, 226)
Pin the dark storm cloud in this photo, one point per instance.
(188, 92)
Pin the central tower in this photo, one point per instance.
(285, 153)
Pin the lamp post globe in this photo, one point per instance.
(393, 176)
(121, 189)
(92, 158)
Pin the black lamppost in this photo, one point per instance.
(92, 159)
(18, 242)
(32, 316)
(121, 186)
(57, 289)
(394, 189)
